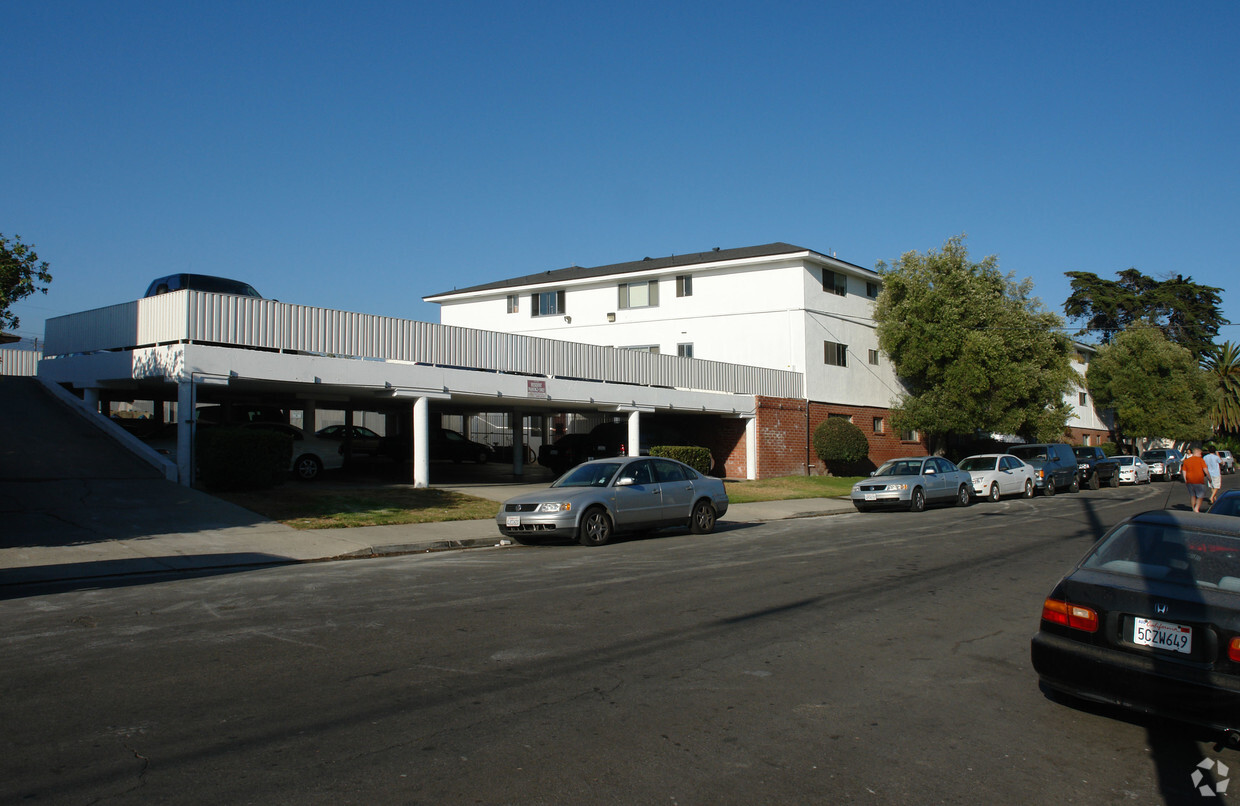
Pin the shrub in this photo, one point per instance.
(1109, 448)
(839, 443)
(242, 458)
(697, 458)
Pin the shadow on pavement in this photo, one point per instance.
(40, 580)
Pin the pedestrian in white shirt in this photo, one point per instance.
(1214, 473)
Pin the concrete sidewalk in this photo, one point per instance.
(79, 530)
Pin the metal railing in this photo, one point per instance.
(19, 362)
(247, 322)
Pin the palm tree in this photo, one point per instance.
(1224, 365)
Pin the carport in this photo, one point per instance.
(195, 347)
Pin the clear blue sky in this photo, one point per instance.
(363, 155)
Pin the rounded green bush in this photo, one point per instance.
(837, 442)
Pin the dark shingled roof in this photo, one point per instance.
(645, 264)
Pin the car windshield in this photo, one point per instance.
(900, 467)
(591, 474)
(979, 463)
(1124, 460)
(1029, 454)
(1227, 505)
(1084, 453)
(1157, 455)
(1170, 552)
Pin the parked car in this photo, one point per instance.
(200, 282)
(913, 482)
(1150, 620)
(1095, 468)
(1133, 470)
(604, 440)
(311, 455)
(998, 474)
(360, 439)
(1054, 466)
(1226, 461)
(597, 500)
(1164, 462)
(1227, 503)
(449, 444)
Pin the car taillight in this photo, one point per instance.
(1070, 615)
(1233, 649)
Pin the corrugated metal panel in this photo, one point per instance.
(267, 324)
(20, 362)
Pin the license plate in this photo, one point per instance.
(512, 520)
(1162, 635)
(871, 497)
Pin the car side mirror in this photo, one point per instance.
(930, 471)
(627, 481)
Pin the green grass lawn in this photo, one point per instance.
(315, 506)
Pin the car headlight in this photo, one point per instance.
(896, 487)
(555, 506)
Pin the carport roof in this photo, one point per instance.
(645, 264)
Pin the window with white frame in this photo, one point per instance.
(871, 290)
(685, 349)
(641, 348)
(1082, 398)
(909, 435)
(684, 285)
(547, 303)
(834, 282)
(644, 294)
(878, 425)
(514, 303)
(874, 357)
(835, 354)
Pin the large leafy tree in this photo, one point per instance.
(20, 274)
(1187, 313)
(1223, 366)
(1155, 388)
(973, 349)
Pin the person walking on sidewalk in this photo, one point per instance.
(1214, 473)
(1194, 470)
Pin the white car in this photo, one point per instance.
(311, 455)
(1133, 470)
(998, 474)
(1226, 462)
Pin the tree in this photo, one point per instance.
(20, 269)
(1187, 313)
(973, 349)
(1223, 365)
(1154, 387)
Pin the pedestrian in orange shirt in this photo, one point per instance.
(1194, 470)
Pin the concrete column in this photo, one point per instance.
(751, 448)
(309, 416)
(185, 432)
(91, 396)
(421, 443)
(635, 433)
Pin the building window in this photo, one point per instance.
(871, 290)
(514, 303)
(874, 357)
(641, 348)
(685, 350)
(909, 435)
(639, 295)
(835, 354)
(1087, 440)
(834, 283)
(684, 285)
(878, 425)
(547, 303)
(1081, 398)
(833, 416)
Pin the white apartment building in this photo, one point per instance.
(777, 306)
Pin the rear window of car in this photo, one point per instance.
(1172, 553)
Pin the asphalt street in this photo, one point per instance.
(877, 658)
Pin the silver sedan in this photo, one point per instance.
(596, 500)
(912, 482)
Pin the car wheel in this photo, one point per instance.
(994, 491)
(963, 498)
(702, 520)
(1114, 482)
(1075, 486)
(917, 501)
(307, 467)
(595, 528)
(1049, 489)
(1094, 482)
(1029, 488)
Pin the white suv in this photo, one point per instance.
(1226, 461)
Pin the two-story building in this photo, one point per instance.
(777, 306)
